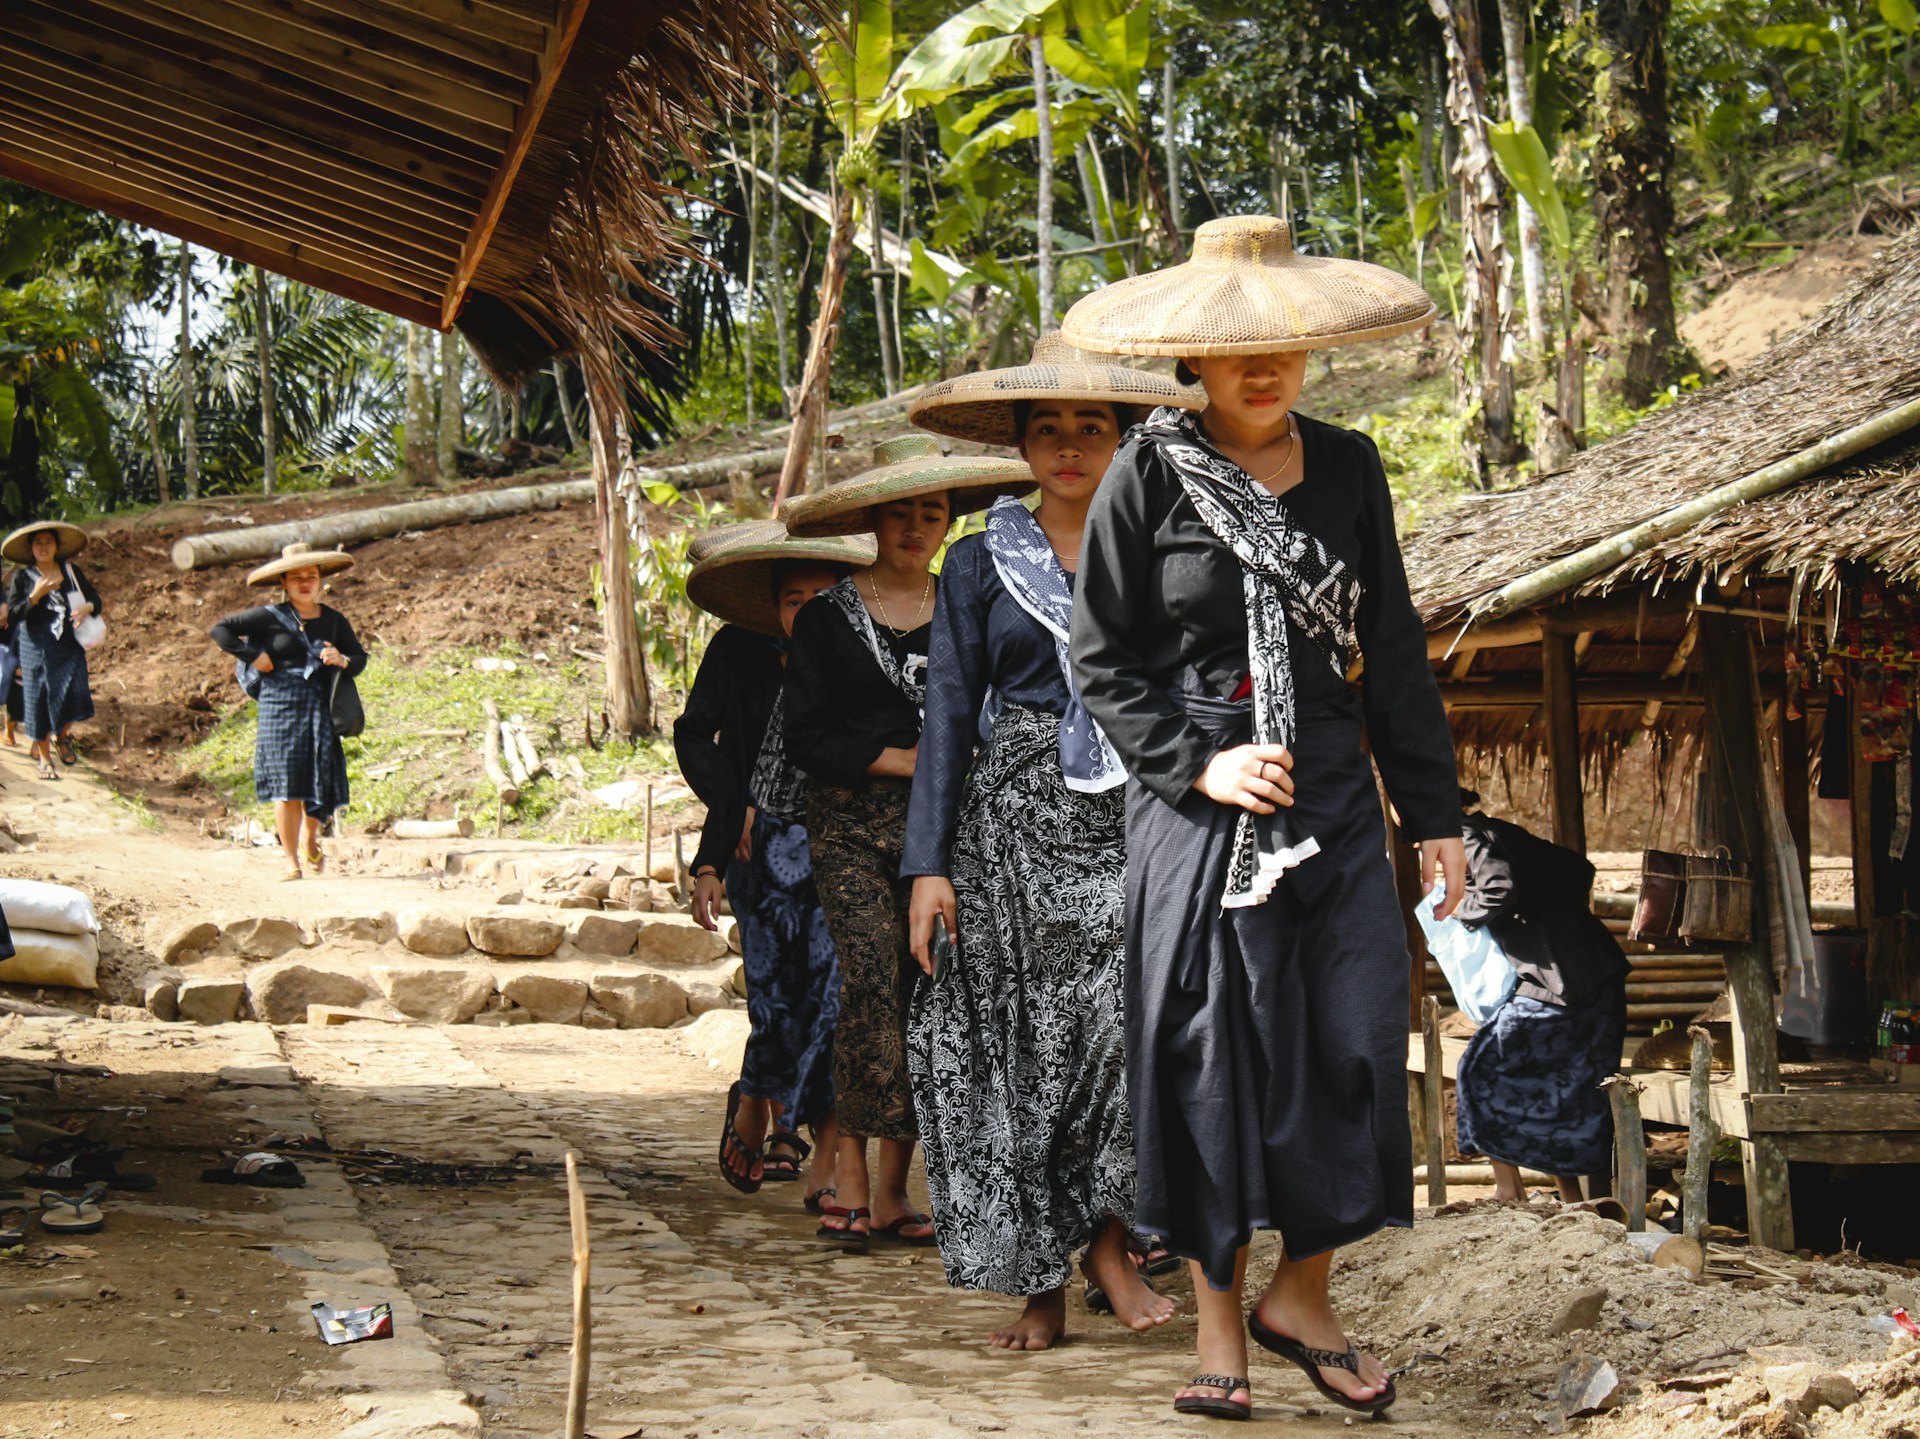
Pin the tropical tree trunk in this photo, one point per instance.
(1487, 312)
(1170, 139)
(629, 698)
(189, 422)
(776, 267)
(557, 368)
(882, 318)
(810, 405)
(1043, 206)
(1096, 222)
(453, 406)
(422, 442)
(1630, 166)
(1533, 267)
(153, 439)
(753, 260)
(263, 345)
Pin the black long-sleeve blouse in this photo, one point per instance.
(841, 709)
(36, 621)
(718, 735)
(1159, 592)
(981, 638)
(251, 633)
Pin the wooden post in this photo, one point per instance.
(647, 831)
(1860, 796)
(1733, 768)
(1796, 788)
(1702, 1135)
(1434, 1103)
(1406, 884)
(1629, 1149)
(582, 1303)
(1557, 662)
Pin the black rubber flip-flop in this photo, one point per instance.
(1215, 1407)
(731, 1136)
(784, 1168)
(912, 1241)
(854, 1241)
(815, 1202)
(1309, 1361)
(14, 1223)
(261, 1170)
(88, 1168)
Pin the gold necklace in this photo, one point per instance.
(881, 604)
(1292, 441)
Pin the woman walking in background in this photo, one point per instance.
(47, 600)
(856, 681)
(730, 747)
(1017, 1047)
(1233, 567)
(297, 651)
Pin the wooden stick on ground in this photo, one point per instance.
(1702, 1134)
(516, 762)
(432, 829)
(490, 757)
(523, 742)
(582, 1304)
(647, 831)
(1436, 1110)
(1630, 1148)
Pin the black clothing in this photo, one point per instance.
(251, 633)
(981, 640)
(1159, 594)
(842, 710)
(1536, 897)
(54, 678)
(39, 618)
(717, 737)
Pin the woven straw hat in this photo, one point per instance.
(904, 469)
(1245, 292)
(733, 568)
(18, 546)
(300, 556)
(980, 406)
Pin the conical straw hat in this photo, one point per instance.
(18, 546)
(903, 469)
(980, 406)
(734, 566)
(1246, 292)
(300, 556)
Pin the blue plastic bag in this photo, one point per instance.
(1477, 969)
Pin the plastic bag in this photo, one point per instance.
(71, 961)
(1477, 969)
(52, 908)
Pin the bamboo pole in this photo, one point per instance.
(647, 830)
(582, 1303)
(1702, 1134)
(1629, 1148)
(1616, 549)
(1435, 1107)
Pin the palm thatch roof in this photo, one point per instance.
(1857, 358)
(502, 165)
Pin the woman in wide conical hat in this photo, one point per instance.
(753, 846)
(856, 680)
(42, 610)
(1017, 1047)
(1235, 562)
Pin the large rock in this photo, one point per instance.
(436, 993)
(676, 939)
(354, 928)
(593, 888)
(431, 931)
(704, 994)
(262, 938)
(280, 993)
(613, 934)
(194, 936)
(160, 993)
(211, 1001)
(515, 936)
(640, 1001)
(549, 998)
(1808, 1388)
(1581, 1311)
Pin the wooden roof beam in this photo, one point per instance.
(448, 27)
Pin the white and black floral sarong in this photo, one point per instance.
(1018, 1052)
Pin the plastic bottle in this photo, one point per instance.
(1883, 1032)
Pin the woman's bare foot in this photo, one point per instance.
(1040, 1325)
(1315, 1325)
(1110, 1266)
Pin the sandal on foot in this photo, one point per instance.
(67, 752)
(730, 1139)
(1153, 1256)
(43, 767)
(260, 1169)
(292, 871)
(896, 1231)
(784, 1168)
(1222, 1406)
(1310, 1361)
(88, 1168)
(316, 860)
(73, 1214)
(13, 1227)
(815, 1202)
(854, 1241)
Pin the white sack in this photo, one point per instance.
(68, 960)
(49, 908)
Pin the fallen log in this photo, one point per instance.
(490, 757)
(516, 765)
(431, 829)
(522, 743)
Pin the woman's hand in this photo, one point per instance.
(331, 656)
(895, 763)
(707, 894)
(743, 851)
(932, 895)
(43, 587)
(1450, 857)
(80, 611)
(263, 662)
(1256, 777)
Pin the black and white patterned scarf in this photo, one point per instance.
(1288, 574)
(1023, 557)
(910, 679)
(776, 786)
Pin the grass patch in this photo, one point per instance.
(410, 761)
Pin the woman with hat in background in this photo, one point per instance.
(856, 681)
(1017, 1049)
(46, 600)
(1234, 565)
(730, 747)
(299, 649)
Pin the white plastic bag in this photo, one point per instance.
(69, 960)
(91, 632)
(52, 908)
(1477, 969)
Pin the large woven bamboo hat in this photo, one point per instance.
(904, 469)
(734, 566)
(300, 556)
(981, 406)
(18, 546)
(1246, 292)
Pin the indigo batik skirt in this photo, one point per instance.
(53, 677)
(1018, 1051)
(1529, 1087)
(1267, 1045)
(793, 976)
(857, 835)
(296, 754)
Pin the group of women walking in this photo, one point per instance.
(1067, 863)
